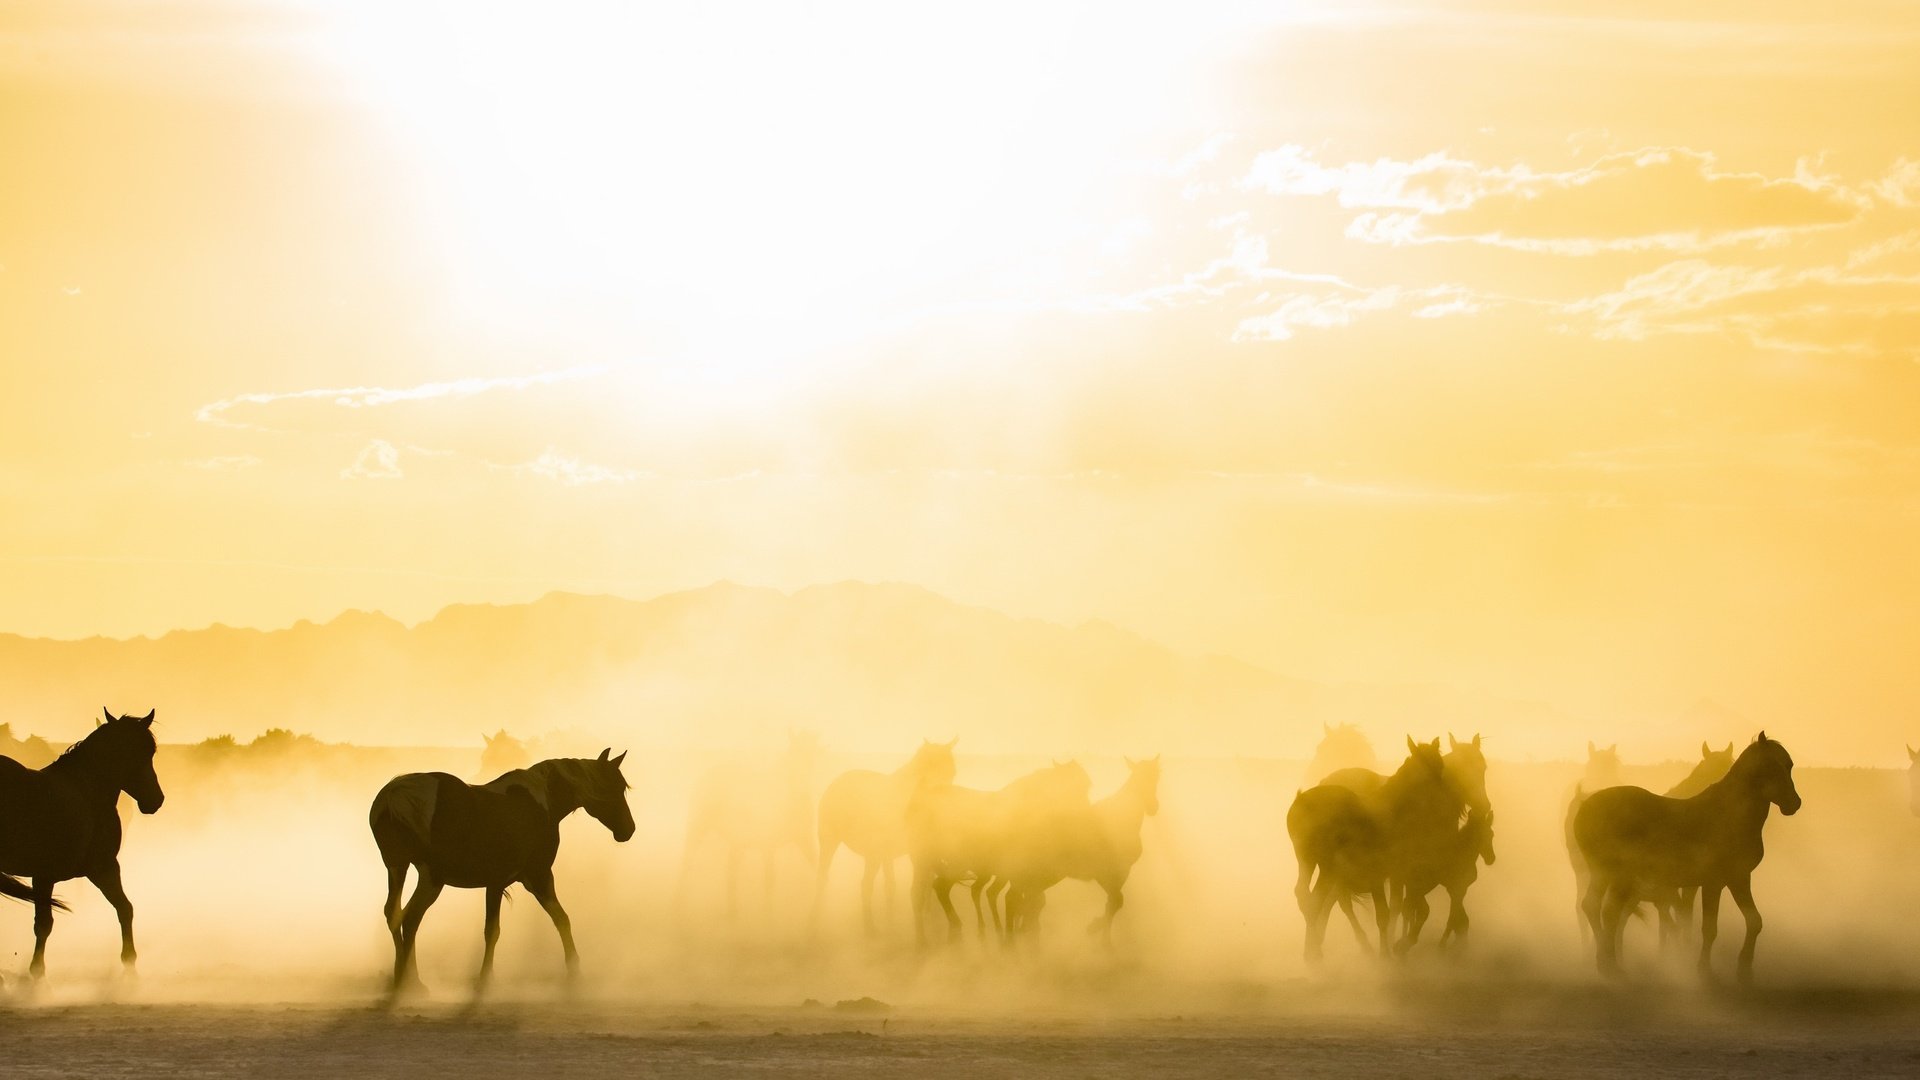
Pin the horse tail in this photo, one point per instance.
(14, 887)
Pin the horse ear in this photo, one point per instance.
(1762, 737)
(1705, 750)
(148, 719)
(953, 742)
(1912, 754)
(1452, 743)
(1411, 745)
(621, 758)
(1476, 740)
(1156, 758)
(1326, 728)
(1729, 750)
(109, 713)
(1591, 749)
(1131, 764)
(605, 754)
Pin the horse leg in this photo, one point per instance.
(1359, 932)
(1414, 909)
(396, 884)
(42, 925)
(1580, 916)
(827, 847)
(542, 889)
(1709, 927)
(980, 883)
(1456, 929)
(491, 935)
(886, 882)
(406, 969)
(994, 891)
(943, 890)
(107, 880)
(1382, 917)
(1115, 901)
(1592, 909)
(1683, 911)
(1742, 890)
(1613, 912)
(1316, 906)
(866, 894)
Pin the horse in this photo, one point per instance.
(502, 753)
(957, 834)
(1098, 843)
(1913, 780)
(63, 821)
(1675, 909)
(1636, 842)
(1342, 746)
(747, 807)
(33, 751)
(867, 811)
(489, 836)
(1456, 869)
(1349, 843)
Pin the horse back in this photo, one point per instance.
(471, 836)
(47, 828)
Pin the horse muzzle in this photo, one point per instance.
(1790, 806)
(150, 806)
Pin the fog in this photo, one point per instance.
(259, 881)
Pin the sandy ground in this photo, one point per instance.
(1295, 1031)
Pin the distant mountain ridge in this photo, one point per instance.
(866, 665)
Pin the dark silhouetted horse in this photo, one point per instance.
(867, 811)
(63, 822)
(1638, 844)
(1350, 842)
(497, 834)
(1099, 842)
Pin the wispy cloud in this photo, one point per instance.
(571, 471)
(367, 397)
(1656, 198)
(378, 460)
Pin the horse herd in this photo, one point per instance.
(1358, 836)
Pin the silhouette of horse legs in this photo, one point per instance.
(396, 884)
(1414, 910)
(1359, 931)
(1612, 904)
(995, 889)
(491, 935)
(406, 971)
(542, 889)
(1103, 925)
(980, 882)
(1742, 891)
(1455, 931)
(1709, 927)
(107, 880)
(1594, 907)
(42, 925)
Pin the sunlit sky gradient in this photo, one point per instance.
(1571, 356)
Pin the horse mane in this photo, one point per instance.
(537, 779)
(80, 748)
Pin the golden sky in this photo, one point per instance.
(1567, 351)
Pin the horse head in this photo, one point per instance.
(1767, 769)
(605, 797)
(124, 747)
(1603, 765)
(1424, 760)
(932, 764)
(1466, 770)
(1479, 829)
(1342, 746)
(1143, 778)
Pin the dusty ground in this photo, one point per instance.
(1426, 1032)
